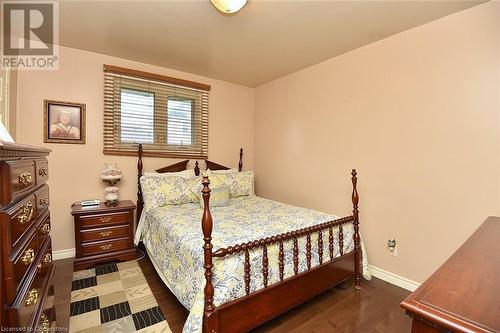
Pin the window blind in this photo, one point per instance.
(168, 116)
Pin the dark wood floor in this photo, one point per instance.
(374, 309)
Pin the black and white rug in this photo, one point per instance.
(114, 298)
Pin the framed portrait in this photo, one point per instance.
(63, 122)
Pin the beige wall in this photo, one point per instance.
(417, 113)
(75, 169)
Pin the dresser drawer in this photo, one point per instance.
(92, 221)
(22, 216)
(23, 261)
(91, 235)
(47, 321)
(41, 170)
(105, 246)
(31, 298)
(19, 177)
(43, 228)
(44, 262)
(42, 198)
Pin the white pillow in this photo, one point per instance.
(183, 174)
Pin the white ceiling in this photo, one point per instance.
(265, 41)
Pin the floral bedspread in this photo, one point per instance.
(174, 240)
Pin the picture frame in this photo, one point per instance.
(64, 122)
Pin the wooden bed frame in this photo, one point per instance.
(257, 307)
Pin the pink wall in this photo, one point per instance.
(75, 169)
(417, 113)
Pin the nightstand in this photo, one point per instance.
(103, 233)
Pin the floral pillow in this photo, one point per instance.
(163, 191)
(189, 173)
(239, 183)
(218, 197)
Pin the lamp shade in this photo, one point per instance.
(228, 6)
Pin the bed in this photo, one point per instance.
(250, 260)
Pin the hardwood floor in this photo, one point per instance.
(374, 309)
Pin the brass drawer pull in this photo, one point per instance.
(32, 297)
(28, 257)
(47, 259)
(43, 172)
(105, 219)
(44, 324)
(25, 178)
(45, 228)
(26, 213)
(44, 201)
(105, 233)
(106, 246)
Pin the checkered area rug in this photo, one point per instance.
(114, 298)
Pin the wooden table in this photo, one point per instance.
(463, 295)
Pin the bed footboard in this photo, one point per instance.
(257, 307)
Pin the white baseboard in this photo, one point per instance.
(63, 254)
(389, 277)
(393, 278)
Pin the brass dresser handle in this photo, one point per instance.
(44, 201)
(45, 324)
(105, 233)
(32, 297)
(106, 246)
(105, 219)
(28, 257)
(26, 213)
(47, 259)
(45, 228)
(25, 178)
(43, 172)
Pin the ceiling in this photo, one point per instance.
(264, 41)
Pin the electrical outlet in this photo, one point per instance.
(392, 245)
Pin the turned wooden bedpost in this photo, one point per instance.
(210, 320)
(240, 163)
(196, 168)
(357, 239)
(140, 201)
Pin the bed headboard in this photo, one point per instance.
(215, 166)
(179, 166)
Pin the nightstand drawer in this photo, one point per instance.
(92, 221)
(106, 246)
(91, 235)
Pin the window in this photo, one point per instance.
(137, 116)
(179, 120)
(168, 116)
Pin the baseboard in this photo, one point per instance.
(389, 277)
(393, 278)
(63, 254)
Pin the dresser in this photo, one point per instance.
(27, 292)
(103, 233)
(463, 295)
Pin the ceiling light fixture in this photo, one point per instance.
(228, 6)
